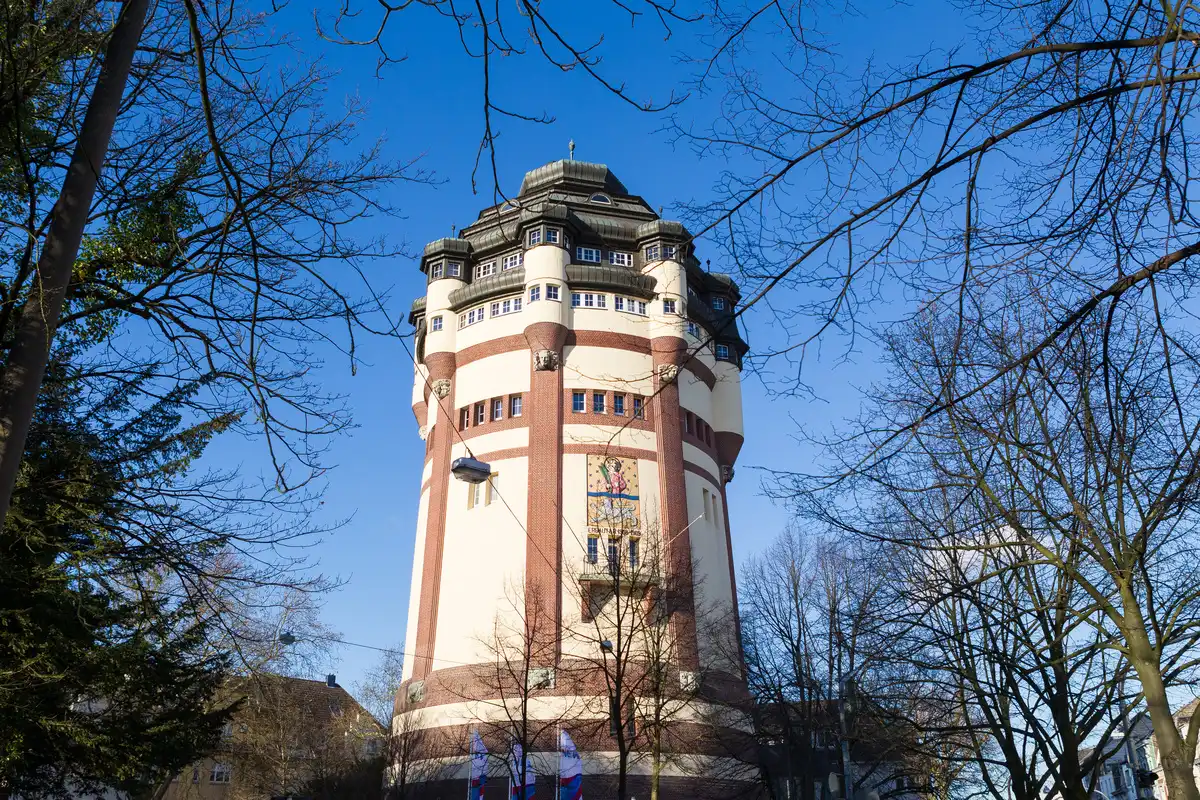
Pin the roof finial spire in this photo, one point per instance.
(571, 147)
(452, 229)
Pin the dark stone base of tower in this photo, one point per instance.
(598, 787)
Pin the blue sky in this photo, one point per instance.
(428, 106)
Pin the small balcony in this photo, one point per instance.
(604, 571)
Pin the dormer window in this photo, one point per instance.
(436, 270)
(553, 235)
(718, 303)
(652, 253)
(668, 251)
(454, 269)
(512, 261)
(484, 270)
(599, 197)
(618, 259)
(535, 237)
(588, 255)
(722, 352)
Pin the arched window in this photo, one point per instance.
(600, 198)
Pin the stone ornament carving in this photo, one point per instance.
(441, 388)
(668, 373)
(423, 432)
(545, 360)
(726, 473)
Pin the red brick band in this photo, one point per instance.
(543, 519)
(439, 441)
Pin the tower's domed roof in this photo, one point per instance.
(572, 173)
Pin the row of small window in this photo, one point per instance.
(612, 553)
(629, 305)
(694, 426)
(583, 255)
(470, 416)
(579, 404)
(454, 269)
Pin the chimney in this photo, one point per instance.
(331, 681)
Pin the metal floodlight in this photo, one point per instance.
(471, 470)
(287, 638)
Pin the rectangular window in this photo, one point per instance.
(495, 309)
(634, 547)
(668, 251)
(462, 321)
(454, 269)
(614, 556)
(535, 293)
(514, 405)
(474, 495)
(619, 405)
(552, 291)
(480, 412)
(435, 324)
(669, 306)
(552, 235)
(195, 774)
(704, 497)
(723, 352)
(576, 299)
(485, 270)
(512, 261)
(641, 307)
(221, 773)
(588, 255)
(652, 253)
(497, 409)
(589, 300)
(693, 329)
(593, 550)
(464, 419)
(620, 259)
(598, 402)
(717, 511)
(493, 488)
(601, 301)
(619, 303)
(688, 422)
(535, 238)
(718, 303)
(637, 408)
(435, 269)
(578, 402)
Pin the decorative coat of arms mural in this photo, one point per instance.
(613, 494)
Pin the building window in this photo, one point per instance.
(576, 299)
(600, 198)
(668, 251)
(485, 270)
(435, 269)
(435, 323)
(535, 293)
(716, 511)
(693, 329)
(634, 547)
(454, 269)
(688, 423)
(497, 409)
(481, 494)
(552, 235)
(723, 352)
(620, 259)
(471, 317)
(718, 303)
(512, 261)
(619, 303)
(588, 255)
(535, 238)
(195, 774)
(509, 306)
(619, 405)
(221, 773)
(514, 405)
(578, 402)
(474, 495)
(589, 300)
(464, 419)
(614, 556)
(707, 508)
(669, 306)
(552, 291)
(652, 253)
(480, 412)
(593, 549)
(637, 408)
(601, 301)
(598, 402)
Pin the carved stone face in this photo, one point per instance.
(441, 388)
(545, 360)
(667, 373)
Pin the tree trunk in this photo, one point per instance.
(1178, 776)
(26, 364)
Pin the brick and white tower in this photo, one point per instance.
(571, 340)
